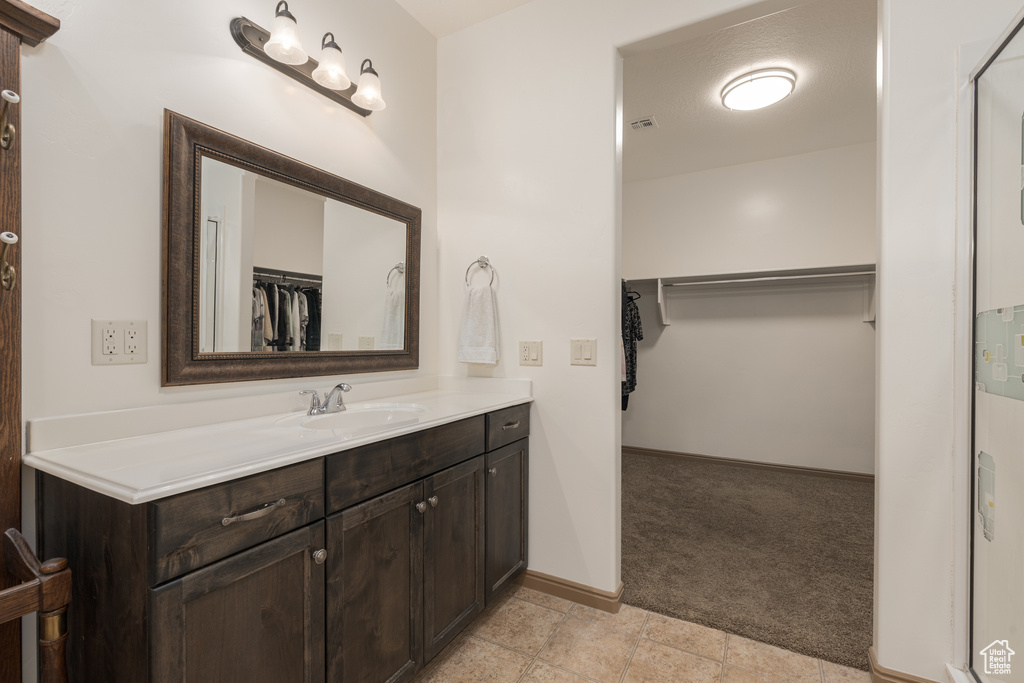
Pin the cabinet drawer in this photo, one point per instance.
(193, 529)
(361, 473)
(508, 425)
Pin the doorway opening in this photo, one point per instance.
(748, 249)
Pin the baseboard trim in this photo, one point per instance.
(880, 674)
(570, 590)
(735, 462)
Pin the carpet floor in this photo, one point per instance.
(779, 557)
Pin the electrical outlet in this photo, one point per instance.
(365, 343)
(116, 342)
(531, 353)
(334, 342)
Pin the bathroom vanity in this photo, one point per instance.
(346, 557)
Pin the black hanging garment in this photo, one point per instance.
(632, 332)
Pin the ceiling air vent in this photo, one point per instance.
(644, 123)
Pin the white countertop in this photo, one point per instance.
(148, 467)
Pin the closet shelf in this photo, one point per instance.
(864, 273)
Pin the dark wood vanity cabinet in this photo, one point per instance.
(405, 575)
(255, 617)
(355, 568)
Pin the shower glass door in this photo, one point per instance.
(997, 470)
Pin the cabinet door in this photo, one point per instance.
(255, 617)
(507, 479)
(453, 553)
(375, 589)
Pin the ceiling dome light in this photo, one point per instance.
(758, 89)
(284, 44)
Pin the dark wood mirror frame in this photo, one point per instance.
(185, 143)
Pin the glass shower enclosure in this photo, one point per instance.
(997, 468)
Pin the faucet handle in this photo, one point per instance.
(314, 402)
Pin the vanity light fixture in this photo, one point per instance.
(284, 44)
(368, 94)
(331, 72)
(758, 89)
(281, 50)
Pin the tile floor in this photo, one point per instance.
(530, 637)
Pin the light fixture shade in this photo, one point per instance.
(284, 44)
(331, 71)
(368, 93)
(758, 89)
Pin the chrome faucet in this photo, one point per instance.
(318, 407)
(325, 407)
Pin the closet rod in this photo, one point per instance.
(771, 278)
(285, 277)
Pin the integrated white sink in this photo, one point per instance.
(365, 419)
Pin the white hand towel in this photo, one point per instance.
(478, 342)
(392, 334)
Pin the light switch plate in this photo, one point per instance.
(119, 342)
(334, 342)
(531, 353)
(583, 352)
(365, 343)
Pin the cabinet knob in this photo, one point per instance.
(421, 506)
(493, 471)
(320, 556)
(433, 501)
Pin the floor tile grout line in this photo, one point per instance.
(565, 615)
(632, 652)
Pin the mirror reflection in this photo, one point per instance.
(286, 270)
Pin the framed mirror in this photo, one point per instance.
(274, 268)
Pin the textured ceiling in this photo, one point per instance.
(829, 44)
(442, 17)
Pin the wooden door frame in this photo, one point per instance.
(19, 23)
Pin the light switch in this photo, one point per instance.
(583, 352)
(531, 353)
(365, 343)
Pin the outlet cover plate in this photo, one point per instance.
(120, 342)
(531, 353)
(583, 352)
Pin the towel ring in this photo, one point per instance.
(400, 267)
(484, 263)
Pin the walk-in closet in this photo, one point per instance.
(748, 250)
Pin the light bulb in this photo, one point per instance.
(284, 44)
(368, 94)
(331, 71)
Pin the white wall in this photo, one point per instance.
(289, 229)
(771, 374)
(539, 194)
(804, 211)
(921, 458)
(93, 101)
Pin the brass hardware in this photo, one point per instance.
(433, 501)
(259, 512)
(421, 507)
(8, 276)
(53, 625)
(7, 129)
(510, 425)
(493, 471)
(320, 556)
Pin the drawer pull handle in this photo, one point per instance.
(320, 556)
(255, 514)
(433, 501)
(510, 425)
(421, 507)
(493, 471)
